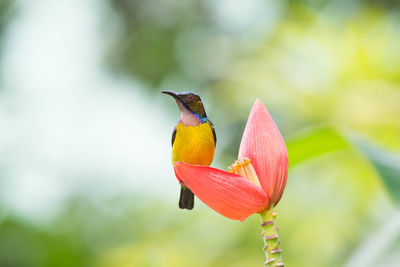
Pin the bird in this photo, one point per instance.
(193, 138)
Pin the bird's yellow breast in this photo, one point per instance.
(193, 144)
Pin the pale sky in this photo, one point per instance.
(68, 126)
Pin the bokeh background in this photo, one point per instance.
(85, 172)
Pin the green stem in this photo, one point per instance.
(271, 238)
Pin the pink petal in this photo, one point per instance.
(228, 194)
(263, 144)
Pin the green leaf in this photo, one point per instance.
(386, 163)
(380, 248)
(316, 142)
(313, 143)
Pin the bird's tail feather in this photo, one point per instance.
(186, 200)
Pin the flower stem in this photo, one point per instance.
(271, 238)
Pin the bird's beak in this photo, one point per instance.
(181, 103)
(174, 95)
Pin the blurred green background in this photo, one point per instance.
(85, 172)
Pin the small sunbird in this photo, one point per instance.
(193, 138)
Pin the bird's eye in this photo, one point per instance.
(190, 97)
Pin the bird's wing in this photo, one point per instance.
(215, 136)
(173, 136)
(213, 131)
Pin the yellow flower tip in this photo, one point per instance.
(238, 164)
(244, 168)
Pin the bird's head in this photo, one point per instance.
(189, 102)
